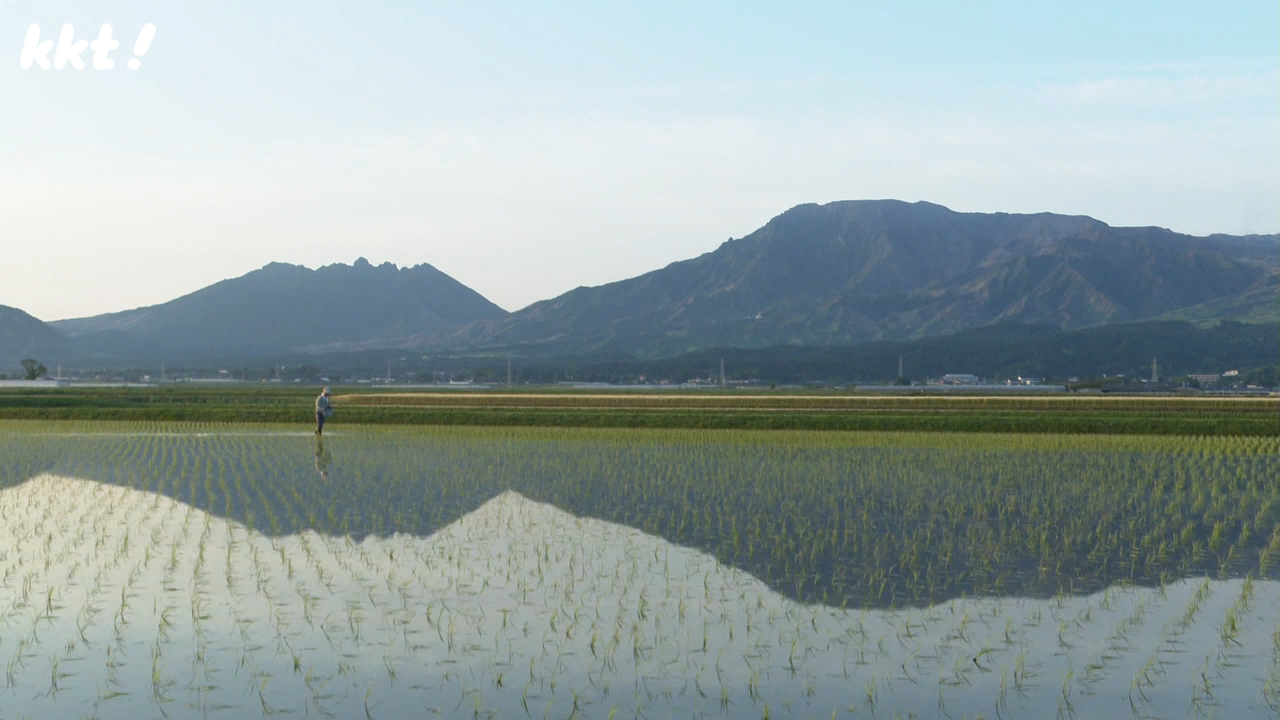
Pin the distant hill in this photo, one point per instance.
(996, 351)
(288, 308)
(23, 336)
(860, 271)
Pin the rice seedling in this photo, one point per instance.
(802, 563)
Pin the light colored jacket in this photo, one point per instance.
(323, 406)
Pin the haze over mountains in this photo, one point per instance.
(817, 275)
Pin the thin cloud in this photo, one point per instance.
(1168, 89)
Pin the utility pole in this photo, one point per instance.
(508, 369)
(900, 373)
(722, 383)
(1155, 371)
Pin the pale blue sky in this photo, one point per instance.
(527, 148)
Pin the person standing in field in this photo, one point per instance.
(323, 410)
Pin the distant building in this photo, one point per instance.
(1204, 378)
(960, 379)
(1028, 380)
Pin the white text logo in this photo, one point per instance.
(68, 52)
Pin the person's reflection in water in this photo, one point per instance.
(323, 458)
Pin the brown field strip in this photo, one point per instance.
(723, 402)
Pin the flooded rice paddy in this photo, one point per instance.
(169, 571)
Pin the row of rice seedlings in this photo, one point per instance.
(259, 479)
(540, 601)
(841, 525)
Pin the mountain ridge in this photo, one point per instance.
(281, 307)
(834, 274)
(860, 271)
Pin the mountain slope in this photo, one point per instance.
(282, 308)
(859, 271)
(1101, 276)
(23, 336)
(1259, 304)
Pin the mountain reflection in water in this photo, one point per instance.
(861, 520)
(119, 603)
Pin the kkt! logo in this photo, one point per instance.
(36, 52)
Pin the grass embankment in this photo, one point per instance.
(703, 409)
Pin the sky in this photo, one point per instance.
(527, 148)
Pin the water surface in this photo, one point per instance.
(552, 574)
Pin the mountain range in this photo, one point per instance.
(859, 271)
(287, 308)
(842, 273)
